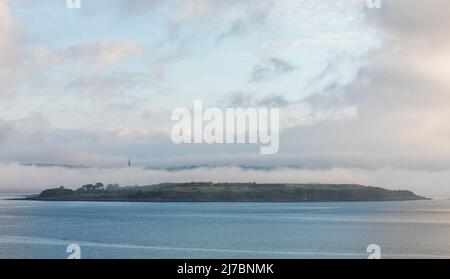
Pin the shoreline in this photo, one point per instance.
(209, 201)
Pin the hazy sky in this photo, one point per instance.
(363, 92)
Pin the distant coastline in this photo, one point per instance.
(226, 192)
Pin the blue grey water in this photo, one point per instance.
(32, 229)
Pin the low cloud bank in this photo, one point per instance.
(32, 179)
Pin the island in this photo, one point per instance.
(226, 192)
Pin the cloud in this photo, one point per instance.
(415, 37)
(4, 130)
(401, 95)
(103, 55)
(182, 13)
(13, 56)
(270, 68)
(273, 101)
(29, 64)
(139, 6)
(295, 114)
(237, 28)
(243, 99)
(32, 139)
(185, 10)
(107, 87)
(32, 128)
(414, 21)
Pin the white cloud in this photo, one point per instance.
(12, 66)
(104, 54)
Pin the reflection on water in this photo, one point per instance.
(30, 229)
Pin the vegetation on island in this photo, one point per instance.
(226, 192)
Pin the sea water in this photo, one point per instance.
(36, 229)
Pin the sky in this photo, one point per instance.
(364, 93)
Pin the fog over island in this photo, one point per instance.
(364, 94)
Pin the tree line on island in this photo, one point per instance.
(222, 192)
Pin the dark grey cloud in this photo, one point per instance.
(271, 68)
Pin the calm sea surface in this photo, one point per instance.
(419, 229)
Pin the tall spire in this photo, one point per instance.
(129, 161)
